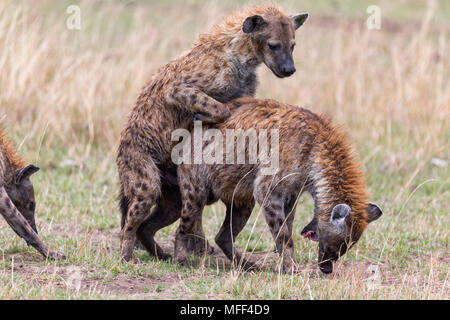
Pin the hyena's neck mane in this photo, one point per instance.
(229, 38)
(10, 161)
(336, 176)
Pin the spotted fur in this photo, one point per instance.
(221, 66)
(314, 156)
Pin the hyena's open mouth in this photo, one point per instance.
(311, 235)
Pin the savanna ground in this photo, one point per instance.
(65, 94)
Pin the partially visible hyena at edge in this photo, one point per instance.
(17, 203)
(314, 156)
(220, 67)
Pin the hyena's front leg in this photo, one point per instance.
(192, 98)
(186, 235)
(272, 205)
(22, 228)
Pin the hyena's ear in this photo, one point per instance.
(24, 173)
(299, 19)
(253, 24)
(374, 212)
(339, 214)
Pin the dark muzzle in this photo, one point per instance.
(288, 69)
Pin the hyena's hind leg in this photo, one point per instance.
(167, 211)
(140, 189)
(22, 228)
(235, 220)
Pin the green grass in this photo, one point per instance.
(409, 243)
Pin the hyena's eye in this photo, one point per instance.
(31, 206)
(274, 47)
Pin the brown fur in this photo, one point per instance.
(315, 156)
(17, 197)
(220, 67)
(9, 159)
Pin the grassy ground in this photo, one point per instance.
(64, 96)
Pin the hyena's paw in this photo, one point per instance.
(126, 250)
(221, 113)
(199, 246)
(249, 266)
(244, 264)
(126, 258)
(163, 256)
(180, 252)
(180, 256)
(186, 242)
(203, 118)
(183, 261)
(290, 267)
(139, 245)
(54, 255)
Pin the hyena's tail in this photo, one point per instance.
(124, 203)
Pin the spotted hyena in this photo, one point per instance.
(17, 202)
(314, 156)
(220, 67)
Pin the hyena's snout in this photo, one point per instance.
(288, 67)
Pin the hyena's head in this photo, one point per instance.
(340, 232)
(21, 192)
(273, 40)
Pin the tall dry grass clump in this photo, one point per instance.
(74, 87)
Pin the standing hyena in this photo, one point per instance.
(220, 67)
(17, 198)
(313, 156)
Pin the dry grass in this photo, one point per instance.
(64, 95)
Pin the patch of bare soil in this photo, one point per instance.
(79, 279)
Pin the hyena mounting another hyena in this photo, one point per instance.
(314, 156)
(220, 67)
(17, 203)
